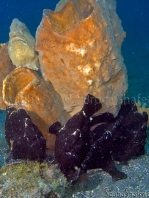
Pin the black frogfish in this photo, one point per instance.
(72, 140)
(24, 139)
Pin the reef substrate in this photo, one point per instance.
(99, 183)
(85, 142)
(75, 110)
(31, 179)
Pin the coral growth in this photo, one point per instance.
(31, 179)
(79, 53)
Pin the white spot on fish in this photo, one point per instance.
(61, 129)
(12, 112)
(84, 114)
(91, 118)
(11, 143)
(108, 133)
(74, 133)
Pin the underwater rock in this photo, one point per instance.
(24, 139)
(21, 46)
(6, 67)
(79, 149)
(72, 140)
(79, 53)
(32, 179)
(24, 89)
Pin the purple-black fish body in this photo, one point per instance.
(72, 140)
(24, 139)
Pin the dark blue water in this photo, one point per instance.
(135, 49)
(28, 11)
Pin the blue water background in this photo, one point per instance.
(135, 49)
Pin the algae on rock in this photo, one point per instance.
(31, 179)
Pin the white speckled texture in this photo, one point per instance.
(100, 184)
(83, 55)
